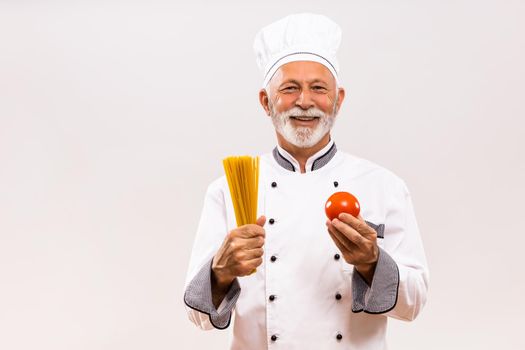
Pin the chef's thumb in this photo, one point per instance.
(261, 220)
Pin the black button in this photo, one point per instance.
(272, 297)
(274, 184)
(272, 221)
(337, 256)
(274, 337)
(273, 258)
(338, 296)
(336, 183)
(339, 336)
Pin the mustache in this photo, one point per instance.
(299, 112)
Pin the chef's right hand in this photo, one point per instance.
(240, 253)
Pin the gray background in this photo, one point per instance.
(114, 117)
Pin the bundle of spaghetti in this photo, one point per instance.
(242, 173)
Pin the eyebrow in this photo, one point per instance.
(318, 81)
(291, 81)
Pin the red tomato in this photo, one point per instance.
(341, 202)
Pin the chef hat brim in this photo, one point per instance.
(299, 56)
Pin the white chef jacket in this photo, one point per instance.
(304, 295)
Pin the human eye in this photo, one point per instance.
(289, 89)
(319, 88)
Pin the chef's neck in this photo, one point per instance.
(302, 154)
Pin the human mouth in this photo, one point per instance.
(304, 119)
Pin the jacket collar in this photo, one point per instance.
(315, 162)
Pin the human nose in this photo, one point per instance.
(305, 100)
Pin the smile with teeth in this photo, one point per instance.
(305, 118)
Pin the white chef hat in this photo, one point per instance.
(298, 37)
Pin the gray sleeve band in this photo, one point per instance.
(198, 296)
(380, 229)
(381, 296)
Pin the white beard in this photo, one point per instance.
(302, 137)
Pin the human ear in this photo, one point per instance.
(340, 97)
(264, 101)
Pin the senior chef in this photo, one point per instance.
(319, 284)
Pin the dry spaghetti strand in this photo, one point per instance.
(242, 174)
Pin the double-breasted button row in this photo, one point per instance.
(338, 295)
(273, 258)
(272, 221)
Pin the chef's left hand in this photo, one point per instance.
(357, 242)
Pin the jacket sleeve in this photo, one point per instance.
(400, 284)
(211, 232)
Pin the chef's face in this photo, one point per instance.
(303, 99)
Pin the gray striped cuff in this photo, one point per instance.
(198, 296)
(381, 296)
(380, 229)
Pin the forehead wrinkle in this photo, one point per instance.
(317, 80)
